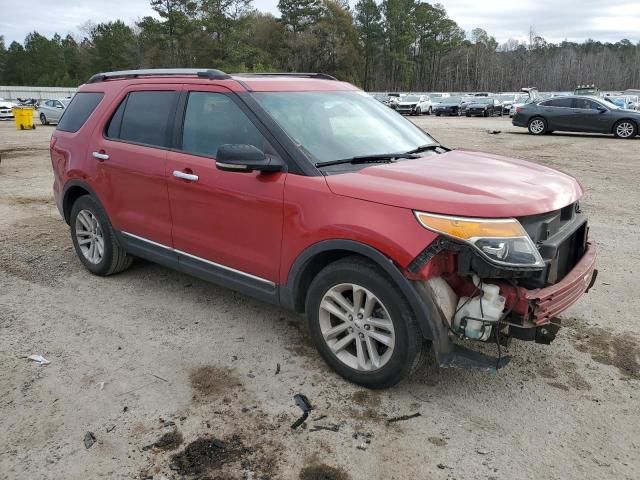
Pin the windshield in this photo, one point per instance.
(65, 102)
(452, 100)
(411, 98)
(506, 98)
(483, 101)
(436, 95)
(337, 125)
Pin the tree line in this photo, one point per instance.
(404, 45)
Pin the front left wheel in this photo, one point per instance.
(361, 324)
(94, 239)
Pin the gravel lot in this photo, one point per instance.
(152, 352)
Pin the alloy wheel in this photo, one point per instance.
(89, 236)
(536, 126)
(624, 129)
(356, 327)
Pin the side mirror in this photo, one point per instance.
(602, 109)
(245, 158)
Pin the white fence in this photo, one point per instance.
(41, 93)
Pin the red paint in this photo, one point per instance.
(260, 223)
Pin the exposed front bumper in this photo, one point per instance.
(547, 303)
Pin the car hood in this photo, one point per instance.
(408, 103)
(462, 183)
(7, 105)
(477, 105)
(449, 104)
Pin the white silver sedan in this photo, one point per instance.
(51, 110)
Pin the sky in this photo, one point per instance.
(555, 20)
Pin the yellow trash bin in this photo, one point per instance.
(24, 118)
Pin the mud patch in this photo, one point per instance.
(438, 441)
(206, 454)
(366, 398)
(169, 441)
(20, 152)
(323, 472)
(620, 350)
(209, 383)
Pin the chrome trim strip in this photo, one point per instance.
(200, 259)
(146, 240)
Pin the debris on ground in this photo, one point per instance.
(40, 359)
(494, 132)
(331, 427)
(482, 451)
(303, 402)
(168, 441)
(101, 385)
(277, 368)
(402, 418)
(110, 427)
(365, 437)
(204, 454)
(89, 440)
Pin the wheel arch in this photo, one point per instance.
(73, 190)
(317, 256)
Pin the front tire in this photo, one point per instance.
(94, 239)
(362, 325)
(537, 126)
(43, 119)
(418, 111)
(429, 111)
(625, 129)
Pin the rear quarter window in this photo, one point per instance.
(79, 110)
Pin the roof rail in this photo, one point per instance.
(211, 74)
(323, 76)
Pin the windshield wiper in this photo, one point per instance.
(424, 148)
(380, 158)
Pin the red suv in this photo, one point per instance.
(305, 192)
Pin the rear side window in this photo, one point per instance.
(81, 107)
(560, 102)
(143, 117)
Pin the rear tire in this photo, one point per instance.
(94, 239)
(374, 355)
(43, 119)
(625, 129)
(429, 111)
(537, 126)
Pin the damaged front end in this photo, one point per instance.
(493, 280)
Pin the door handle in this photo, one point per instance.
(185, 176)
(100, 156)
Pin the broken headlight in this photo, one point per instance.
(502, 241)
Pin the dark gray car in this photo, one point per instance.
(577, 114)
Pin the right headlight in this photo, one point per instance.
(502, 241)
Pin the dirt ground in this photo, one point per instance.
(179, 379)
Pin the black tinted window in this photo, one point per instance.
(81, 107)
(587, 104)
(561, 102)
(143, 117)
(213, 119)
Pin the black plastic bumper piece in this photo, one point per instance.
(461, 357)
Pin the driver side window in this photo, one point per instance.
(213, 119)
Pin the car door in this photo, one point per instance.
(227, 226)
(592, 116)
(559, 113)
(130, 150)
(57, 109)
